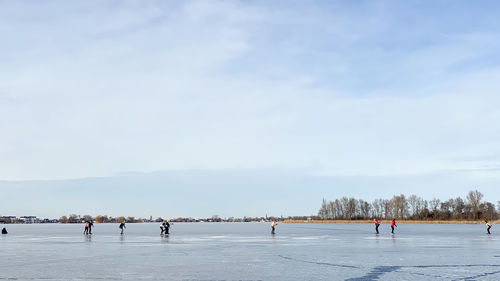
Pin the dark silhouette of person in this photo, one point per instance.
(122, 226)
(167, 228)
(4, 231)
(86, 230)
(91, 224)
(377, 224)
(393, 224)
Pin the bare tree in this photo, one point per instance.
(458, 208)
(474, 200)
(434, 205)
(339, 207)
(414, 207)
(345, 207)
(399, 206)
(351, 207)
(88, 217)
(378, 208)
(323, 211)
(73, 218)
(413, 203)
(365, 208)
(388, 209)
(445, 210)
(332, 211)
(488, 211)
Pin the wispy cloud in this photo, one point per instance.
(334, 89)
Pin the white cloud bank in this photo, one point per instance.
(99, 88)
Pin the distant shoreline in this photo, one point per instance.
(389, 221)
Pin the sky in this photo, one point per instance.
(196, 108)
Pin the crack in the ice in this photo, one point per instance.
(318, 263)
(378, 271)
(425, 274)
(479, 275)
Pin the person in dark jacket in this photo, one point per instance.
(122, 226)
(166, 227)
(91, 224)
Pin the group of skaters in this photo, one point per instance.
(90, 223)
(88, 227)
(377, 224)
(164, 227)
(393, 225)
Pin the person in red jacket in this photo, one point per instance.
(393, 224)
(377, 224)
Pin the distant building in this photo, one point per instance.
(29, 219)
(7, 219)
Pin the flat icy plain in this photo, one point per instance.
(248, 251)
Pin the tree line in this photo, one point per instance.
(412, 207)
(73, 218)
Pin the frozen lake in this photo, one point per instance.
(247, 251)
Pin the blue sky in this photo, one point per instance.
(358, 98)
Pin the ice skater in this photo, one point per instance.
(488, 225)
(393, 224)
(122, 226)
(4, 231)
(273, 226)
(91, 224)
(86, 230)
(162, 227)
(166, 225)
(377, 224)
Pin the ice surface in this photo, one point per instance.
(248, 251)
